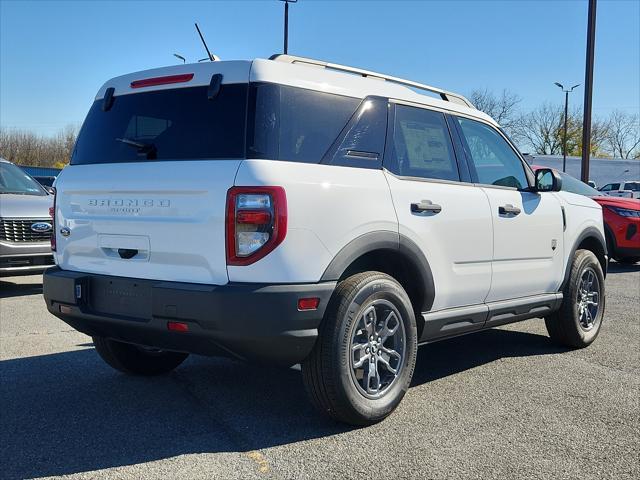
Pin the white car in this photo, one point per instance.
(628, 189)
(295, 211)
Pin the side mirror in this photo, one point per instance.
(548, 180)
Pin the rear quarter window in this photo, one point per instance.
(295, 124)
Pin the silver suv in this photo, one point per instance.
(25, 224)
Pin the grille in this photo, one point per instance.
(19, 230)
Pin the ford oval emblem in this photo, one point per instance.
(41, 227)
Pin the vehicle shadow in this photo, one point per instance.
(68, 412)
(616, 267)
(11, 289)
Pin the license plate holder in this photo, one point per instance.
(121, 297)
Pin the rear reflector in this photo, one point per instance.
(308, 303)
(253, 217)
(149, 82)
(178, 326)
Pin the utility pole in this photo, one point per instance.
(566, 115)
(286, 23)
(588, 91)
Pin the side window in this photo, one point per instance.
(633, 186)
(492, 157)
(421, 145)
(606, 188)
(361, 142)
(295, 124)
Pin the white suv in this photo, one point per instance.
(295, 211)
(622, 189)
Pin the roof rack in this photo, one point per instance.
(447, 96)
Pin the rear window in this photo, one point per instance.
(266, 121)
(175, 124)
(295, 124)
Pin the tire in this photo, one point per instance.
(572, 325)
(629, 260)
(335, 383)
(135, 360)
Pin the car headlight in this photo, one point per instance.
(624, 212)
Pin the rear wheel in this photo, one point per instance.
(629, 260)
(363, 361)
(135, 359)
(577, 323)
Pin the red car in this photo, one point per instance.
(622, 227)
(621, 219)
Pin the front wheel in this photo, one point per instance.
(135, 359)
(577, 323)
(363, 361)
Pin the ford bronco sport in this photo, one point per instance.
(301, 212)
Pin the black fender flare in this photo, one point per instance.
(614, 242)
(384, 240)
(589, 232)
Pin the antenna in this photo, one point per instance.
(204, 43)
(180, 57)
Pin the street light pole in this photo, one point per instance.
(286, 24)
(564, 142)
(566, 116)
(588, 91)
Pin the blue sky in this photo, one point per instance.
(54, 55)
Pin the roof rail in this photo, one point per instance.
(447, 96)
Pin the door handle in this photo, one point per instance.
(509, 209)
(425, 207)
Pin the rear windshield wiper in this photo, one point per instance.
(148, 149)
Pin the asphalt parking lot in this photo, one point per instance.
(504, 403)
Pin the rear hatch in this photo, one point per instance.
(144, 194)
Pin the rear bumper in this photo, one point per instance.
(248, 321)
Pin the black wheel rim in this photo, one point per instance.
(377, 348)
(588, 299)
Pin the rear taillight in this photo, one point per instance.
(52, 214)
(256, 222)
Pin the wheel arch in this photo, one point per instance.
(393, 254)
(590, 239)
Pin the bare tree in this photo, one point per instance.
(541, 129)
(27, 148)
(502, 108)
(623, 134)
(599, 132)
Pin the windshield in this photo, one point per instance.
(15, 180)
(573, 185)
